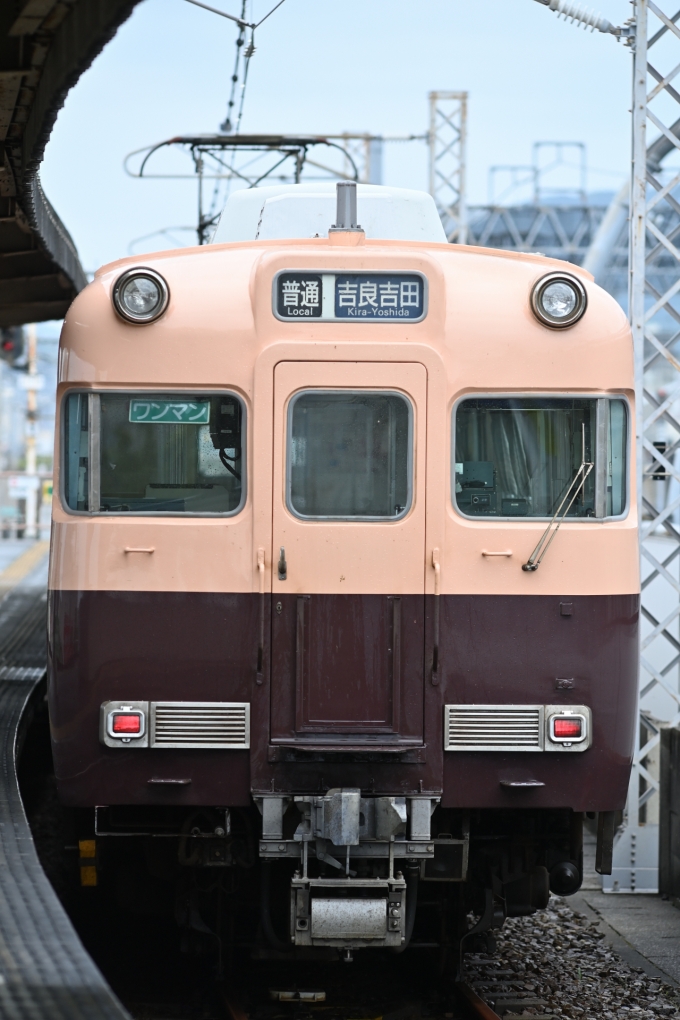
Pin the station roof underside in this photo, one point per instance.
(45, 45)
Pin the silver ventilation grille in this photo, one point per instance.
(200, 724)
(493, 727)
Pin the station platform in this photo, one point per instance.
(18, 559)
(45, 973)
(644, 930)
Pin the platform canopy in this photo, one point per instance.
(45, 45)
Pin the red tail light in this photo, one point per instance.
(568, 729)
(124, 723)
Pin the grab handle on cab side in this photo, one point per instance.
(434, 676)
(259, 678)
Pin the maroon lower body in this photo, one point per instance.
(345, 695)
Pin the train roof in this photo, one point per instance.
(300, 215)
(287, 211)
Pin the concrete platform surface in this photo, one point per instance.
(644, 930)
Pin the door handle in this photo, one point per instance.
(283, 566)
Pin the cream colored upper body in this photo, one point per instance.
(478, 337)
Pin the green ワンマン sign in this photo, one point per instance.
(170, 412)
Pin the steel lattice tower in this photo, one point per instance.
(447, 139)
(655, 320)
(594, 236)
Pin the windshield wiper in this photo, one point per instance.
(576, 485)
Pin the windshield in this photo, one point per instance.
(516, 457)
(154, 453)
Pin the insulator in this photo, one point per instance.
(589, 19)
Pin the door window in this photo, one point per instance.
(154, 453)
(349, 455)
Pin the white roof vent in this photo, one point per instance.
(288, 211)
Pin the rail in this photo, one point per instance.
(477, 1005)
(490, 990)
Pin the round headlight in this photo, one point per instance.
(140, 295)
(558, 300)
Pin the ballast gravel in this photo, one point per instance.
(558, 964)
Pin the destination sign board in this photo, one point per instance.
(346, 297)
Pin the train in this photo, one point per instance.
(344, 578)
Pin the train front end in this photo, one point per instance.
(344, 576)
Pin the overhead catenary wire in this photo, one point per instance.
(249, 51)
(222, 14)
(201, 146)
(239, 21)
(230, 125)
(268, 15)
(226, 125)
(247, 56)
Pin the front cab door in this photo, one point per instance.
(348, 554)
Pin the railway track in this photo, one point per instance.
(506, 995)
(558, 964)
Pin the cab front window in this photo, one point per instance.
(131, 453)
(520, 456)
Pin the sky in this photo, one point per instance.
(327, 66)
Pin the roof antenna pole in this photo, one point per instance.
(346, 211)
